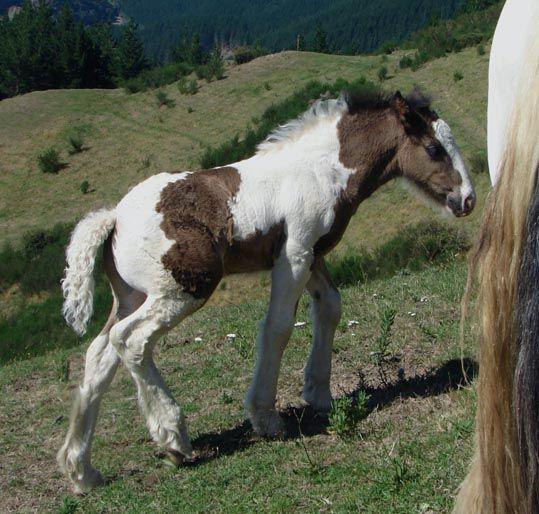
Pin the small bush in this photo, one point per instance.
(146, 161)
(63, 369)
(480, 50)
(388, 47)
(188, 87)
(190, 109)
(267, 86)
(76, 144)
(157, 77)
(479, 162)
(12, 266)
(243, 54)
(382, 74)
(163, 99)
(346, 414)
(69, 505)
(49, 161)
(457, 76)
(406, 62)
(204, 72)
(84, 187)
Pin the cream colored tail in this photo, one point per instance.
(78, 284)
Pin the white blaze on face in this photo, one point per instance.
(445, 136)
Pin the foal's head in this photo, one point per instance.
(427, 156)
(412, 143)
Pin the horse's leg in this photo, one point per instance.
(289, 276)
(134, 339)
(102, 361)
(326, 314)
(74, 458)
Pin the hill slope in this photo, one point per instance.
(129, 137)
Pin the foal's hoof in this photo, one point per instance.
(177, 459)
(268, 424)
(90, 480)
(320, 401)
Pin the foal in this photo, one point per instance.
(173, 237)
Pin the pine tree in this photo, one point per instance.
(131, 57)
(320, 43)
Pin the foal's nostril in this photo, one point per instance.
(469, 203)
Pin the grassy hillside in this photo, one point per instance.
(410, 452)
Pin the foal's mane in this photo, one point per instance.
(364, 99)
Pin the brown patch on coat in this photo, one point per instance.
(196, 215)
(368, 141)
(256, 252)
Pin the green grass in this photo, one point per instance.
(410, 451)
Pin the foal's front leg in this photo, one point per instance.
(289, 276)
(326, 314)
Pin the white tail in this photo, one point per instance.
(78, 284)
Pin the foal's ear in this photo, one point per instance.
(404, 112)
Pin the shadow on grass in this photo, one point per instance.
(412, 249)
(304, 421)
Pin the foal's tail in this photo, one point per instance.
(78, 284)
(504, 476)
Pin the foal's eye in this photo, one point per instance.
(434, 151)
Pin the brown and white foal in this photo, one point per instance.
(173, 237)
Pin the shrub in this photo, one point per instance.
(346, 414)
(204, 72)
(243, 54)
(188, 87)
(406, 62)
(84, 187)
(457, 76)
(382, 74)
(388, 47)
(164, 99)
(49, 161)
(12, 266)
(157, 77)
(76, 144)
(480, 50)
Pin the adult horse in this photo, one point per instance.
(172, 237)
(504, 476)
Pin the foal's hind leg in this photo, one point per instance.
(74, 457)
(289, 275)
(102, 361)
(134, 339)
(326, 314)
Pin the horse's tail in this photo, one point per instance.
(504, 477)
(78, 284)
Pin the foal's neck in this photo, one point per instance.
(368, 142)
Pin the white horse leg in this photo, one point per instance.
(134, 339)
(289, 276)
(74, 457)
(326, 314)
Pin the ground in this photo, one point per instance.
(410, 452)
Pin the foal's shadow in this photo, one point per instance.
(304, 421)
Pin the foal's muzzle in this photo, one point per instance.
(460, 206)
